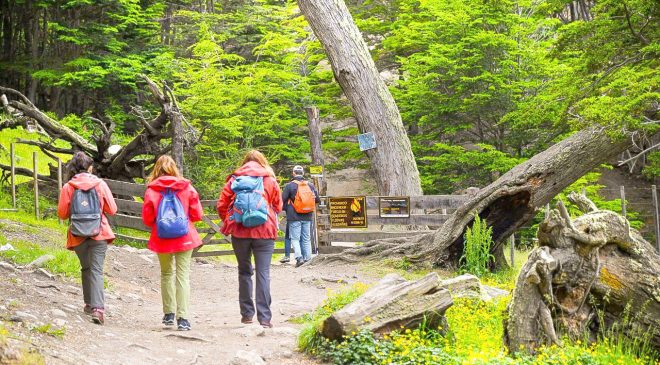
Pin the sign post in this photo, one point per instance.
(348, 212)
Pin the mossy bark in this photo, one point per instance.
(588, 275)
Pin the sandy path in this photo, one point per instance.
(133, 333)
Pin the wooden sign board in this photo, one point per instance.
(394, 206)
(316, 171)
(348, 212)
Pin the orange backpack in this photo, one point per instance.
(305, 199)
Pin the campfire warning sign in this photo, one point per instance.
(348, 212)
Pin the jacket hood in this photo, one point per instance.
(84, 181)
(251, 168)
(169, 182)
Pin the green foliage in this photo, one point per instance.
(48, 329)
(652, 170)
(65, 262)
(476, 254)
(474, 337)
(310, 336)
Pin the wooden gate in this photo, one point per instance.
(428, 210)
(128, 197)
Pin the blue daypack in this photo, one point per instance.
(250, 208)
(172, 220)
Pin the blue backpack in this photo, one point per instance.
(250, 208)
(172, 220)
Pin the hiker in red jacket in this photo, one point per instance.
(257, 236)
(90, 250)
(173, 252)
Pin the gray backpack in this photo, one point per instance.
(85, 219)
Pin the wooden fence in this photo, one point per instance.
(129, 212)
(427, 210)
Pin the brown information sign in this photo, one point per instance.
(348, 212)
(394, 206)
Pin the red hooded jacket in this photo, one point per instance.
(87, 181)
(192, 206)
(267, 230)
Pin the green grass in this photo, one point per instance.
(48, 329)
(474, 336)
(310, 337)
(24, 152)
(27, 357)
(65, 261)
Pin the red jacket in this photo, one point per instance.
(267, 230)
(191, 204)
(86, 181)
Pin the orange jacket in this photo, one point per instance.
(86, 181)
(224, 205)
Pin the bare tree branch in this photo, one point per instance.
(621, 163)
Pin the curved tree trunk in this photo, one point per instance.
(506, 204)
(373, 105)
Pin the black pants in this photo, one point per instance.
(263, 253)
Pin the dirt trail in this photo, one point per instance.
(133, 333)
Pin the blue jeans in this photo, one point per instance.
(287, 242)
(300, 239)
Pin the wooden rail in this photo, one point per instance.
(430, 210)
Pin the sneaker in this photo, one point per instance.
(183, 324)
(284, 260)
(88, 309)
(168, 319)
(266, 324)
(246, 320)
(299, 262)
(97, 316)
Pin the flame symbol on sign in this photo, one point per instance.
(355, 206)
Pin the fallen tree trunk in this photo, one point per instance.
(394, 303)
(593, 274)
(506, 204)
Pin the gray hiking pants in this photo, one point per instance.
(263, 253)
(92, 256)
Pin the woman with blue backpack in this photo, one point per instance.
(171, 205)
(248, 206)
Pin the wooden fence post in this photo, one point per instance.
(512, 241)
(12, 154)
(547, 211)
(59, 179)
(315, 138)
(654, 193)
(36, 184)
(623, 200)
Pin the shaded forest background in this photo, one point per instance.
(481, 85)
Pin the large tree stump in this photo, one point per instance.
(394, 302)
(587, 274)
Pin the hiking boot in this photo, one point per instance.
(266, 324)
(299, 262)
(284, 260)
(88, 309)
(168, 319)
(97, 316)
(183, 324)
(246, 320)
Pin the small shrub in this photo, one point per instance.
(476, 254)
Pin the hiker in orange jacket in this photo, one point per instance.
(258, 240)
(90, 250)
